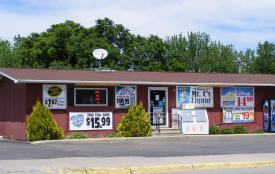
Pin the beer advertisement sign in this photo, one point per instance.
(55, 96)
(237, 97)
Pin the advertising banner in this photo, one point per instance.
(125, 96)
(91, 120)
(200, 97)
(237, 97)
(238, 115)
(55, 96)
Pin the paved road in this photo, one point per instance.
(170, 147)
(25, 158)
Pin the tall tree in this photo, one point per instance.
(197, 53)
(8, 57)
(264, 62)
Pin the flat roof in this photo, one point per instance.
(30, 75)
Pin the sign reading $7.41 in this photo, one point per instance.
(91, 120)
(54, 96)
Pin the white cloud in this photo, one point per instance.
(240, 22)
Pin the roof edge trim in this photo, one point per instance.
(136, 83)
(9, 77)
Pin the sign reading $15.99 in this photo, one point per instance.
(91, 120)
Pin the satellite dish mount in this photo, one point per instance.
(100, 54)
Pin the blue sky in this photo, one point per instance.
(243, 23)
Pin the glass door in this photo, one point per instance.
(158, 106)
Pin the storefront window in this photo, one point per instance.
(90, 97)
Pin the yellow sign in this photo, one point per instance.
(54, 91)
(238, 115)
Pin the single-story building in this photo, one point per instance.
(94, 102)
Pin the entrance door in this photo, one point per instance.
(158, 106)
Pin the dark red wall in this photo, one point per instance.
(12, 109)
(17, 100)
(261, 93)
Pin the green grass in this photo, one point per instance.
(77, 135)
(259, 131)
(112, 135)
(227, 131)
(240, 130)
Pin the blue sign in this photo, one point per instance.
(183, 95)
(237, 97)
(125, 96)
(77, 120)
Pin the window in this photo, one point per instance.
(91, 97)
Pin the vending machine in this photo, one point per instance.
(269, 115)
(266, 116)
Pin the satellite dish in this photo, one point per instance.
(100, 53)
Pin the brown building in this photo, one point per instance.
(94, 102)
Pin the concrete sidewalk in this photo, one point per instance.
(118, 139)
(135, 164)
(112, 165)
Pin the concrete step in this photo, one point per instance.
(167, 132)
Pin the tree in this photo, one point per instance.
(69, 45)
(5, 54)
(8, 57)
(197, 53)
(264, 62)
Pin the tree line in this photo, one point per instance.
(69, 45)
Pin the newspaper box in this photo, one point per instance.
(194, 121)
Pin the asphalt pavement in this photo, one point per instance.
(172, 154)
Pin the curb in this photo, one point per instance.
(92, 140)
(166, 168)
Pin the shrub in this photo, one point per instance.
(227, 131)
(77, 135)
(214, 130)
(240, 130)
(259, 131)
(42, 126)
(135, 123)
(112, 135)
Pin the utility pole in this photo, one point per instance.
(240, 65)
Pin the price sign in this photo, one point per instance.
(123, 100)
(125, 96)
(54, 96)
(91, 120)
(237, 97)
(238, 115)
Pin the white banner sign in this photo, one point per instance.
(199, 97)
(91, 120)
(55, 96)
